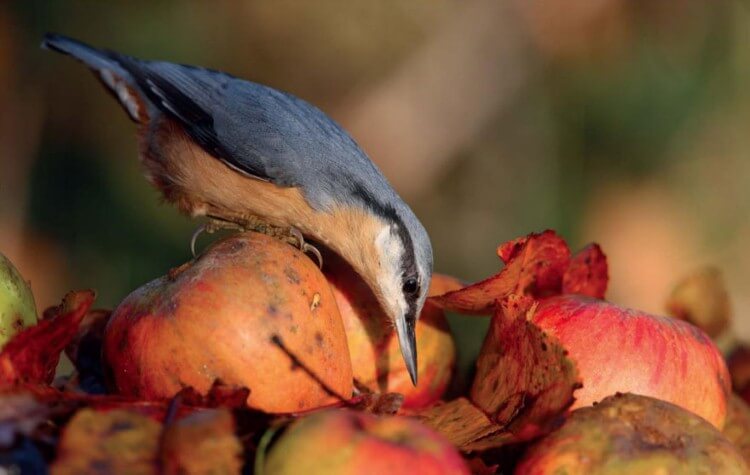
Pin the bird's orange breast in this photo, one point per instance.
(200, 184)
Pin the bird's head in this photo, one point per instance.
(400, 278)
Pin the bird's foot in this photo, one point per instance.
(305, 247)
(291, 235)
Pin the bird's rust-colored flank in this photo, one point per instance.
(200, 185)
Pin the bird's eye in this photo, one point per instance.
(410, 285)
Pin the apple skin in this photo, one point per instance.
(215, 317)
(17, 308)
(631, 434)
(622, 350)
(343, 441)
(376, 356)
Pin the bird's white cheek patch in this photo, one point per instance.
(389, 278)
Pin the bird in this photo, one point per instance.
(249, 156)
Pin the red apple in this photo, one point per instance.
(376, 358)
(627, 434)
(621, 350)
(223, 316)
(343, 442)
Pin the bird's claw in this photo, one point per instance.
(306, 247)
(194, 238)
(295, 235)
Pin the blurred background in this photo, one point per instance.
(618, 121)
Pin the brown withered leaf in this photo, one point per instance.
(32, 355)
(534, 266)
(524, 379)
(379, 403)
(462, 423)
(588, 273)
(113, 442)
(203, 442)
(443, 283)
(219, 395)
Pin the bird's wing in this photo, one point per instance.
(256, 129)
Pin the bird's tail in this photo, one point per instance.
(105, 64)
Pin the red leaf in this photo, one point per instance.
(524, 378)
(534, 266)
(588, 273)
(32, 355)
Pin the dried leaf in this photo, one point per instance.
(524, 379)
(443, 283)
(220, 395)
(113, 442)
(534, 266)
(32, 355)
(381, 404)
(588, 273)
(461, 422)
(200, 443)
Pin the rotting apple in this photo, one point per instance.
(251, 311)
(344, 441)
(376, 357)
(622, 350)
(627, 434)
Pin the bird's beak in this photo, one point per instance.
(407, 340)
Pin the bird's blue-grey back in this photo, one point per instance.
(261, 131)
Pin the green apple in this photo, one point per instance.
(17, 309)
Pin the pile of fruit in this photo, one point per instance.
(250, 359)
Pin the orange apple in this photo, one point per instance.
(223, 316)
(375, 353)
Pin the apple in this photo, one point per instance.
(240, 313)
(376, 357)
(17, 309)
(344, 441)
(627, 433)
(621, 350)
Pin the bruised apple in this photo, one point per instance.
(621, 350)
(251, 311)
(376, 358)
(631, 434)
(343, 442)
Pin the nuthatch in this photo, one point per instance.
(244, 153)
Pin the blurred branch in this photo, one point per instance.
(415, 121)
